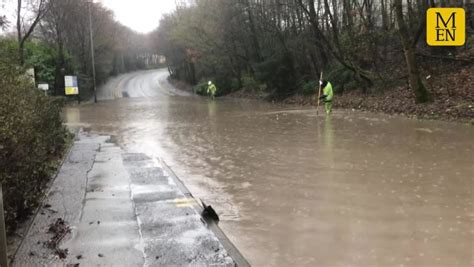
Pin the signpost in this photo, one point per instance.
(92, 50)
(44, 87)
(71, 86)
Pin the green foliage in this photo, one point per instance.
(195, 42)
(42, 57)
(235, 85)
(201, 88)
(279, 74)
(38, 55)
(9, 50)
(32, 139)
(250, 84)
(310, 88)
(341, 79)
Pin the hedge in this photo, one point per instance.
(32, 140)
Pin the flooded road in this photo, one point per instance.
(295, 189)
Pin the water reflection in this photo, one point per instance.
(328, 140)
(212, 107)
(73, 115)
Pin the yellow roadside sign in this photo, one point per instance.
(71, 86)
(72, 91)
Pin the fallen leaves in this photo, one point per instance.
(59, 229)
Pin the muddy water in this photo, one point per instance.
(296, 189)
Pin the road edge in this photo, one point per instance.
(233, 251)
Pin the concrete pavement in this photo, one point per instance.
(123, 210)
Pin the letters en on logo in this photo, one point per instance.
(446, 26)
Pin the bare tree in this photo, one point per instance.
(117, 49)
(25, 27)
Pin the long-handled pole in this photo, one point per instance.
(92, 51)
(3, 234)
(319, 93)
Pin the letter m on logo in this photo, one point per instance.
(452, 19)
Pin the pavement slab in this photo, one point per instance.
(123, 209)
(64, 201)
(172, 229)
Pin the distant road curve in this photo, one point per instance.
(143, 84)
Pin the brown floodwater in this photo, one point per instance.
(294, 188)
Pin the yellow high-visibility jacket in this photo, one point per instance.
(212, 89)
(328, 92)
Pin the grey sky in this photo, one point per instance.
(140, 15)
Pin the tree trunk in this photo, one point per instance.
(384, 15)
(422, 95)
(21, 54)
(253, 31)
(60, 68)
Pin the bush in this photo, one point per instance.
(279, 74)
(201, 88)
(310, 88)
(249, 83)
(43, 59)
(32, 139)
(341, 79)
(234, 85)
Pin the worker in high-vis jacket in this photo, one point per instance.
(328, 95)
(211, 89)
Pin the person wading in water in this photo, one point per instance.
(328, 96)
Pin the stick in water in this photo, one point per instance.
(319, 93)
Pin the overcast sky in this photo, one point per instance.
(140, 15)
